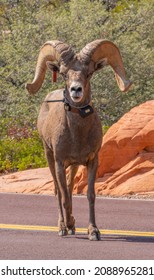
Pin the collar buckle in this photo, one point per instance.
(67, 106)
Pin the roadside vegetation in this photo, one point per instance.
(26, 25)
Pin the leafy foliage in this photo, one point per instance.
(21, 150)
(26, 25)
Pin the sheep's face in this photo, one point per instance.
(77, 83)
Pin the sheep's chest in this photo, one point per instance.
(78, 141)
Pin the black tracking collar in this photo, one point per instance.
(83, 111)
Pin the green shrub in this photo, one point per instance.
(20, 154)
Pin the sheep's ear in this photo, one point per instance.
(100, 64)
(52, 66)
(97, 66)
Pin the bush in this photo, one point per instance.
(21, 153)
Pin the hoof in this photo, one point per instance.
(94, 235)
(71, 231)
(62, 232)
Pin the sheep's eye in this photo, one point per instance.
(89, 75)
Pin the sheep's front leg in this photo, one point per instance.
(70, 183)
(93, 231)
(65, 197)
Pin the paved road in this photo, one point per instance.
(127, 227)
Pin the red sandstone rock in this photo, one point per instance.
(136, 177)
(126, 161)
(132, 134)
(38, 181)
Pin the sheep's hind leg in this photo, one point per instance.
(61, 224)
(70, 183)
(93, 231)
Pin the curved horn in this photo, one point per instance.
(100, 50)
(50, 51)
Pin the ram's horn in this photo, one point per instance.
(56, 51)
(100, 50)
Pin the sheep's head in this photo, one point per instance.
(74, 72)
(77, 69)
(77, 82)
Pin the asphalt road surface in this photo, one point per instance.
(28, 229)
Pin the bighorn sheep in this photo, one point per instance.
(71, 130)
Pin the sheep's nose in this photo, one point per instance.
(76, 89)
